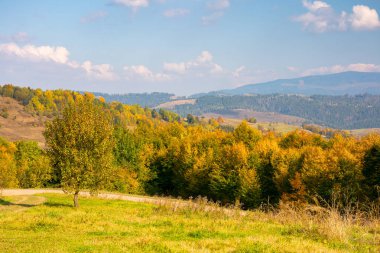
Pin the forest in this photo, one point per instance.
(342, 112)
(159, 153)
(143, 99)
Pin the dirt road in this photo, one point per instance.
(24, 192)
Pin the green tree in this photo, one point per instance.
(33, 169)
(371, 171)
(80, 145)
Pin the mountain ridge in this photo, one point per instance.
(344, 83)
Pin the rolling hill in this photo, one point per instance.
(350, 83)
(17, 124)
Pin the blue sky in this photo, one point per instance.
(182, 46)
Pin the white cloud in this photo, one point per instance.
(205, 56)
(31, 52)
(204, 62)
(101, 71)
(216, 68)
(58, 55)
(238, 71)
(176, 13)
(134, 4)
(360, 67)
(179, 68)
(364, 18)
(292, 69)
(321, 17)
(316, 5)
(142, 72)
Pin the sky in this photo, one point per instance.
(182, 46)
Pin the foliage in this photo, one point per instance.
(80, 145)
(342, 112)
(8, 177)
(33, 168)
(157, 152)
(371, 171)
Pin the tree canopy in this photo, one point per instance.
(80, 144)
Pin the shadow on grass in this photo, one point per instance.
(8, 203)
(55, 204)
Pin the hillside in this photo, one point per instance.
(172, 104)
(24, 111)
(18, 124)
(342, 112)
(350, 83)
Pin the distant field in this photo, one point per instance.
(365, 131)
(28, 225)
(270, 117)
(172, 104)
(279, 123)
(17, 124)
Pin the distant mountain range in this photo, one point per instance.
(350, 83)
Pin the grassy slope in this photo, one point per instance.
(121, 226)
(20, 125)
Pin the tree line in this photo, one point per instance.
(96, 145)
(342, 112)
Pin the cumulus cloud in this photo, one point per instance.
(360, 67)
(205, 56)
(321, 17)
(41, 53)
(133, 4)
(171, 13)
(204, 62)
(144, 73)
(101, 71)
(57, 55)
(364, 18)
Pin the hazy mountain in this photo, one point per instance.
(350, 83)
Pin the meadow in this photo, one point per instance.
(49, 223)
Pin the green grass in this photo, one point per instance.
(122, 226)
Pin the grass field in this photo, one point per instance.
(49, 223)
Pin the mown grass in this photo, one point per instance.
(122, 226)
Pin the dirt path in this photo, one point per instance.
(163, 201)
(24, 192)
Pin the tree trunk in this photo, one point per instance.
(76, 203)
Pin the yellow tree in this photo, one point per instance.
(7, 165)
(80, 145)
